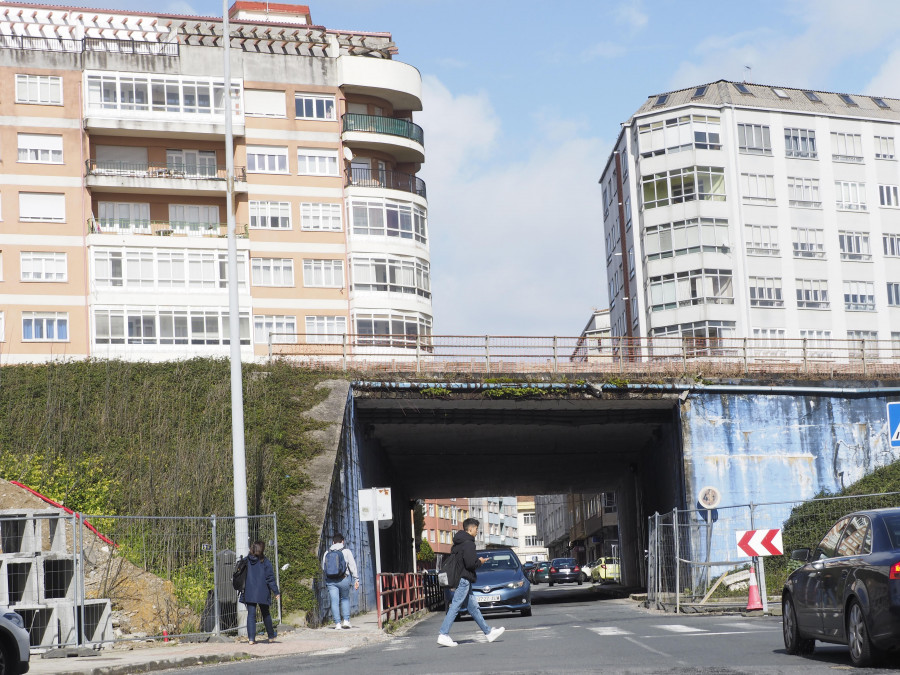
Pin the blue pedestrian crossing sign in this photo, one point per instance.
(893, 413)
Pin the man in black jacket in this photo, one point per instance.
(464, 547)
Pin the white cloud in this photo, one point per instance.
(631, 14)
(886, 81)
(603, 50)
(515, 248)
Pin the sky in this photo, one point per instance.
(523, 100)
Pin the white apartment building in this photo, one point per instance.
(499, 521)
(112, 226)
(554, 523)
(742, 210)
(530, 547)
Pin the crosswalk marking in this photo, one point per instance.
(609, 630)
(680, 628)
(745, 625)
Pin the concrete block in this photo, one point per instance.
(18, 581)
(56, 578)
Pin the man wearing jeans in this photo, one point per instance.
(339, 589)
(464, 546)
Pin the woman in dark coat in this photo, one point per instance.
(258, 588)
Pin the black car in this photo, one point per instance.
(564, 570)
(848, 590)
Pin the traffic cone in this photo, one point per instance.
(753, 599)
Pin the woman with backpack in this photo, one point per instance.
(259, 586)
(339, 567)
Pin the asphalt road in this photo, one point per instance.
(572, 630)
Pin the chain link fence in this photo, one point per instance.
(693, 559)
(93, 580)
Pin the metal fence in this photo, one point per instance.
(399, 595)
(725, 357)
(692, 554)
(92, 580)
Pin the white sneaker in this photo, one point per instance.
(495, 633)
(337, 626)
(346, 624)
(446, 640)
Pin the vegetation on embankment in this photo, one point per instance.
(124, 438)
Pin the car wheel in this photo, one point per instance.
(7, 661)
(579, 581)
(862, 652)
(551, 584)
(526, 612)
(794, 643)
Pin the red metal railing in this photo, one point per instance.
(398, 595)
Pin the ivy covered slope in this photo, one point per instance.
(112, 437)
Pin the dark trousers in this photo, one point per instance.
(251, 621)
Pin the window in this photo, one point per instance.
(270, 215)
(808, 242)
(272, 271)
(108, 268)
(42, 266)
(431, 510)
(152, 326)
(314, 107)
(812, 294)
(39, 89)
(895, 339)
(754, 139)
(887, 195)
(528, 519)
(880, 102)
(851, 196)
(392, 274)
(42, 207)
(192, 163)
(846, 98)
(884, 147)
(857, 539)
(266, 159)
(265, 324)
(45, 326)
(312, 162)
(661, 99)
(124, 217)
(694, 287)
(166, 269)
(780, 93)
(891, 245)
(800, 143)
(700, 92)
(683, 185)
(323, 273)
(264, 103)
(193, 219)
(804, 192)
(187, 97)
(862, 342)
(846, 147)
(893, 293)
(743, 88)
(815, 338)
(761, 239)
(765, 292)
(757, 188)
(389, 218)
(324, 216)
(812, 96)
(774, 337)
(675, 134)
(393, 329)
(40, 148)
(683, 237)
(859, 296)
(854, 246)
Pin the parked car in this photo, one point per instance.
(500, 584)
(586, 570)
(528, 568)
(565, 570)
(604, 570)
(14, 645)
(848, 589)
(540, 573)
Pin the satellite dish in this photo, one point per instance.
(348, 155)
(709, 498)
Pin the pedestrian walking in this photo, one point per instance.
(258, 589)
(466, 562)
(339, 567)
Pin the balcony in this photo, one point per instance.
(394, 81)
(386, 180)
(401, 138)
(200, 180)
(163, 228)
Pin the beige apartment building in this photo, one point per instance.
(113, 185)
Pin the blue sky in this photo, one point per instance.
(524, 99)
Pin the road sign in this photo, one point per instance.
(893, 414)
(367, 498)
(760, 542)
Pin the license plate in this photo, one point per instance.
(489, 598)
(565, 571)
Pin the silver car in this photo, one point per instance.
(14, 645)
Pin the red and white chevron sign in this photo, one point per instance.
(760, 542)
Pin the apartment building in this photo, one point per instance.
(113, 200)
(443, 519)
(584, 526)
(742, 210)
(530, 547)
(554, 523)
(499, 521)
(594, 341)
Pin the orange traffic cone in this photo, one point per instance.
(753, 599)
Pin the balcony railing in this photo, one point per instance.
(171, 171)
(59, 44)
(379, 124)
(163, 228)
(388, 180)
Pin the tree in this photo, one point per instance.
(418, 520)
(426, 553)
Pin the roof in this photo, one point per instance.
(725, 93)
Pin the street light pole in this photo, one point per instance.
(238, 458)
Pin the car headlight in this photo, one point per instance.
(14, 618)
(516, 584)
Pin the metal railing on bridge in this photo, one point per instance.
(658, 356)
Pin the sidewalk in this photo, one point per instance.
(143, 657)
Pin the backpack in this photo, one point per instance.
(335, 565)
(239, 576)
(451, 571)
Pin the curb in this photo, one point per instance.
(164, 664)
